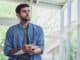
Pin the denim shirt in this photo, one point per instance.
(15, 39)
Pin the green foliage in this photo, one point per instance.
(74, 45)
(3, 30)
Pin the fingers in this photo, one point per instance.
(30, 48)
(27, 48)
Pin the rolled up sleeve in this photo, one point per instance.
(41, 39)
(8, 42)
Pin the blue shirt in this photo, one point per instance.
(15, 39)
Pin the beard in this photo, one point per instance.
(24, 19)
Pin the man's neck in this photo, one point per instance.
(25, 24)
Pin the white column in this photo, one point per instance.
(78, 21)
(62, 49)
(68, 41)
(31, 3)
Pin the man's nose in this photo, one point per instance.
(27, 14)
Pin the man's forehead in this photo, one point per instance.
(26, 8)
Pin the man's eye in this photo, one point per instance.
(24, 11)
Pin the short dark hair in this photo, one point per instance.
(20, 6)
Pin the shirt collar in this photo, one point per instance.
(20, 25)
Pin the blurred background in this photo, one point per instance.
(59, 19)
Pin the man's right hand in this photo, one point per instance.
(27, 48)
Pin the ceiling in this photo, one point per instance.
(57, 2)
(50, 2)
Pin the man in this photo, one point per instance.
(24, 41)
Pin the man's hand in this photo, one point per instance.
(27, 49)
(37, 51)
(32, 49)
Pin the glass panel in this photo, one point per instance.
(49, 19)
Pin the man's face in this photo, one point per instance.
(24, 14)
